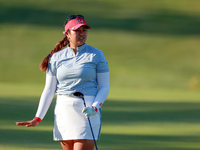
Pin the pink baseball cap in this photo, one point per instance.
(74, 24)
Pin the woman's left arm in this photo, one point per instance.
(103, 82)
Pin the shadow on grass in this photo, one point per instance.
(114, 113)
(147, 142)
(27, 138)
(158, 22)
(43, 139)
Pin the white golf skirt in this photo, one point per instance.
(69, 121)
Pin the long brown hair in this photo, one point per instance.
(64, 42)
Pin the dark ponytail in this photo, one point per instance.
(44, 64)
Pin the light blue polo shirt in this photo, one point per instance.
(77, 72)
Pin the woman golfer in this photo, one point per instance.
(76, 68)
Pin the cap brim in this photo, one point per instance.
(79, 25)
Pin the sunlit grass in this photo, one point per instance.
(154, 129)
(116, 93)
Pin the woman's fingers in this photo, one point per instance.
(22, 123)
(31, 123)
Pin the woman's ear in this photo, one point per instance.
(67, 34)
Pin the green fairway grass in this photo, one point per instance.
(148, 44)
(145, 120)
(152, 48)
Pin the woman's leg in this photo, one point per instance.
(83, 144)
(67, 145)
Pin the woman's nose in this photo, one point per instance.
(81, 32)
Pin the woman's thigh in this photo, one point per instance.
(77, 144)
(67, 145)
(83, 144)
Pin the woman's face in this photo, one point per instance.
(77, 37)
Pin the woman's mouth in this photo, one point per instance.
(81, 38)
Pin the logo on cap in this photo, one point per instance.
(79, 21)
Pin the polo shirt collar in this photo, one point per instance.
(80, 48)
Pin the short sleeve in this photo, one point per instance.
(51, 70)
(102, 65)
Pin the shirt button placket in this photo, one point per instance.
(74, 59)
